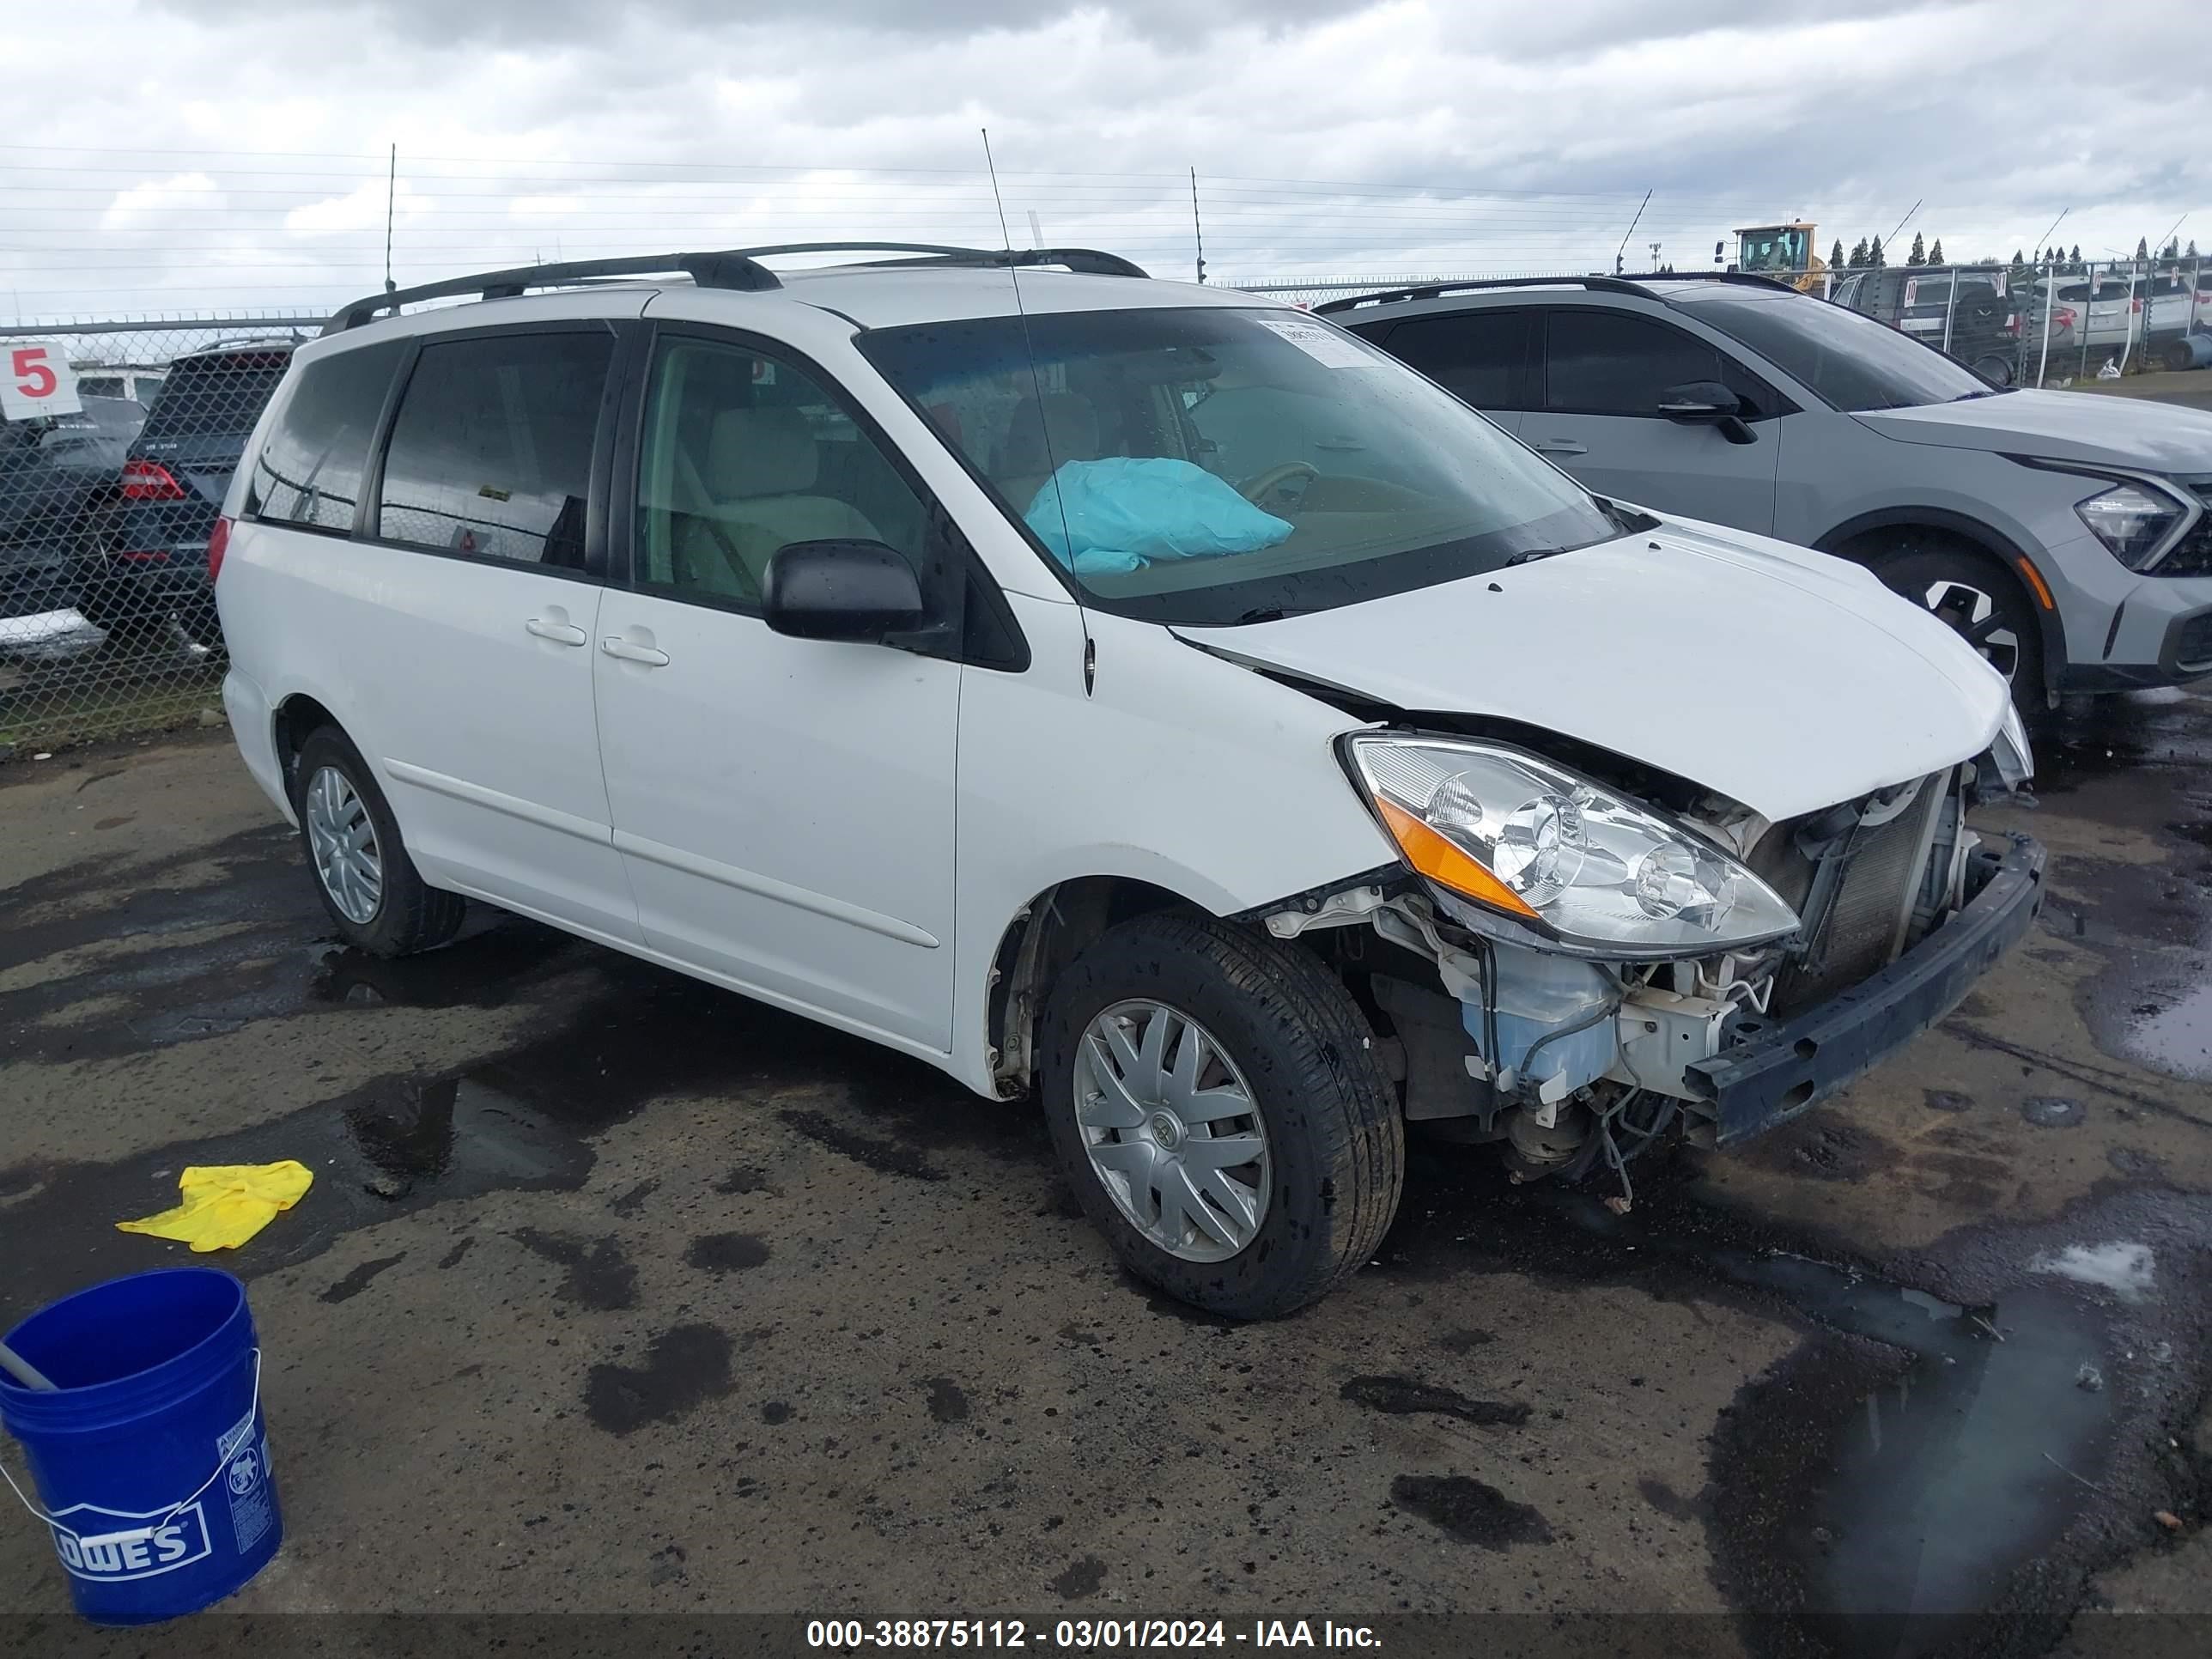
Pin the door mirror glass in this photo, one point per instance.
(840, 590)
(1699, 402)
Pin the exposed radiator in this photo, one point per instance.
(1864, 927)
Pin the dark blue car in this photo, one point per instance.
(148, 570)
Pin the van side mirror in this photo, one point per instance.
(857, 591)
(1707, 402)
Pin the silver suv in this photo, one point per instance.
(2068, 535)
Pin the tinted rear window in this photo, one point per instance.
(1476, 356)
(309, 471)
(207, 396)
(491, 451)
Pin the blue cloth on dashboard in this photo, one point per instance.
(1123, 512)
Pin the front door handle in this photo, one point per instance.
(630, 651)
(1557, 446)
(559, 633)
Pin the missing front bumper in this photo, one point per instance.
(1787, 1069)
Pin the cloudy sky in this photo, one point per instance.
(201, 153)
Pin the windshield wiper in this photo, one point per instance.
(1532, 555)
(1266, 613)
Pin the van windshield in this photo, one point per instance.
(1217, 465)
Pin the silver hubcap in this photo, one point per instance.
(1973, 614)
(1172, 1131)
(342, 837)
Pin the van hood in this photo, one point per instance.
(1784, 680)
(2103, 429)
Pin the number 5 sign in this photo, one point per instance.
(35, 379)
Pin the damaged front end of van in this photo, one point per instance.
(1577, 972)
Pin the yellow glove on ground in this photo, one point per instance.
(225, 1204)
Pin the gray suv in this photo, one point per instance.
(2068, 535)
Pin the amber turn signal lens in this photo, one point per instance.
(1440, 861)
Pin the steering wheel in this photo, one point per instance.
(1255, 488)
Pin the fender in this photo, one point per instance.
(2001, 548)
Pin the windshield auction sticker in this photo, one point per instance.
(1319, 341)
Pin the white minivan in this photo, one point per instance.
(1141, 697)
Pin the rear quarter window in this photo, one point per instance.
(309, 472)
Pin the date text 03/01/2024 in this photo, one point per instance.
(853, 1635)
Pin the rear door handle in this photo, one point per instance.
(1558, 447)
(628, 651)
(559, 633)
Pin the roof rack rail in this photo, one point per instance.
(1088, 261)
(1600, 284)
(736, 268)
(729, 268)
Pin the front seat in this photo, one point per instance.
(761, 465)
(1046, 434)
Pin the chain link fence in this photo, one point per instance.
(120, 438)
(118, 441)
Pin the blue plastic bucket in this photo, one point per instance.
(149, 1454)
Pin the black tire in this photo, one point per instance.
(1994, 369)
(411, 915)
(1919, 572)
(1335, 1143)
(2177, 354)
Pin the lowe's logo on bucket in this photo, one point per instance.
(104, 1546)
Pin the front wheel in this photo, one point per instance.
(1215, 1101)
(1982, 604)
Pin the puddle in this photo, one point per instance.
(2096, 738)
(1890, 1488)
(484, 968)
(521, 1119)
(2176, 1039)
(1958, 1471)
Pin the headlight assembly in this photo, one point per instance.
(1554, 851)
(2131, 520)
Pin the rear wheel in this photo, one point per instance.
(1216, 1102)
(1982, 602)
(368, 882)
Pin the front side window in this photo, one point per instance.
(1212, 464)
(491, 452)
(744, 454)
(309, 472)
(1851, 361)
(1612, 362)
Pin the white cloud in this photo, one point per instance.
(1497, 138)
(142, 206)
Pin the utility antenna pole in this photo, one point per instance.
(391, 191)
(1197, 231)
(1629, 232)
(1901, 223)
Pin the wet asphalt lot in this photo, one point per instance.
(618, 1293)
